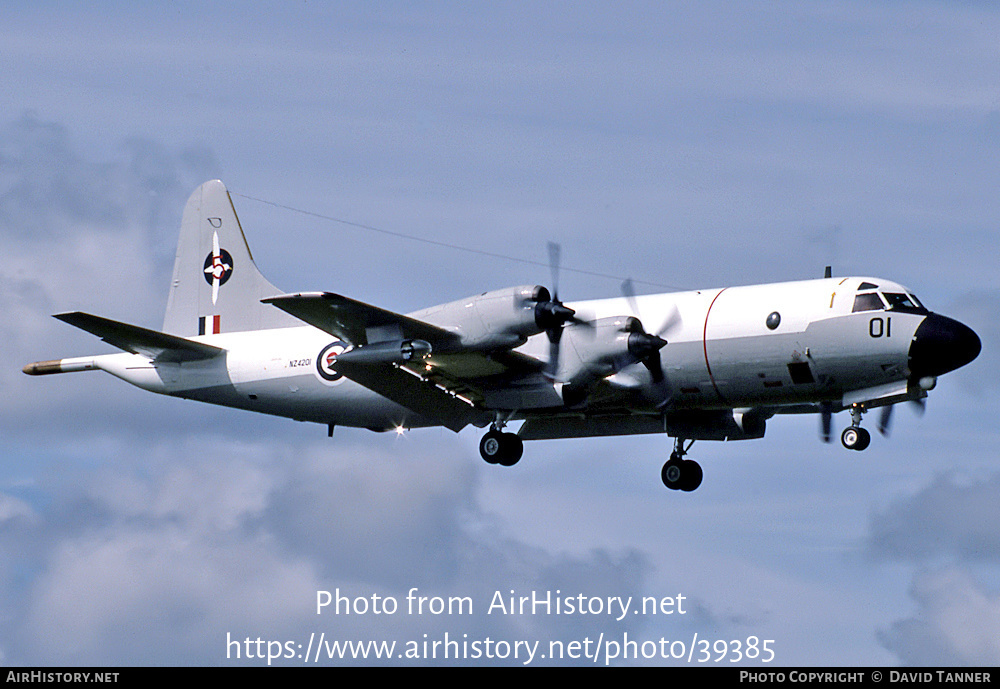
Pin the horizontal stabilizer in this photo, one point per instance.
(357, 323)
(149, 343)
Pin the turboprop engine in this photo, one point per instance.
(604, 348)
(503, 319)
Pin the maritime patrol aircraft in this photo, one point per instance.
(716, 365)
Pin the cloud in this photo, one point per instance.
(156, 560)
(949, 518)
(70, 224)
(957, 623)
(153, 537)
(952, 520)
(50, 189)
(78, 233)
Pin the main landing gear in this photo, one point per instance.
(501, 448)
(854, 436)
(498, 447)
(679, 473)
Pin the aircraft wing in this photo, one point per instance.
(131, 338)
(356, 322)
(455, 384)
(418, 394)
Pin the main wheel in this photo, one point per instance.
(681, 474)
(691, 475)
(491, 446)
(672, 473)
(855, 438)
(501, 448)
(511, 449)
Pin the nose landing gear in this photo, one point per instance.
(854, 436)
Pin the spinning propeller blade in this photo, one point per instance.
(885, 418)
(826, 421)
(552, 316)
(648, 350)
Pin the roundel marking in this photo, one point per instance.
(327, 358)
(218, 267)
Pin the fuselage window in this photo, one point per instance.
(867, 302)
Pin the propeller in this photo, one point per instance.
(826, 421)
(885, 417)
(645, 346)
(552, 316)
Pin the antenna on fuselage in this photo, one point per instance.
(828, 273)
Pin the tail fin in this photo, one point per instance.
(216, 287)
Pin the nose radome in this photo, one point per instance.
(942, 344)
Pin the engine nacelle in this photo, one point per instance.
(603, 348)
(501, 319)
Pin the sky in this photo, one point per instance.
(683, 145)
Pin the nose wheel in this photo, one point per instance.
(854, 436)
(679, 473)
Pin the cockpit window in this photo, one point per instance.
(867, 302)
(866, 285)
(903, 302)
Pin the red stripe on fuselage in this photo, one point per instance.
(704, 343)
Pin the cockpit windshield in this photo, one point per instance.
(893, 301)
(903, 302)
(869, 301)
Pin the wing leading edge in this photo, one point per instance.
(357, 323)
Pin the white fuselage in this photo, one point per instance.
(722, 354)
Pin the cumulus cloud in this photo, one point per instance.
(157, 561)
(950, 517)
(75, 228)
(50, 189)
(81, 233)
(957, 623)
(152, 555)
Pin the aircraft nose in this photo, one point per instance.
(942, 344)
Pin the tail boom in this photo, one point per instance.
(46, 368)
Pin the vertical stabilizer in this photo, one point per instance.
(216, 287)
